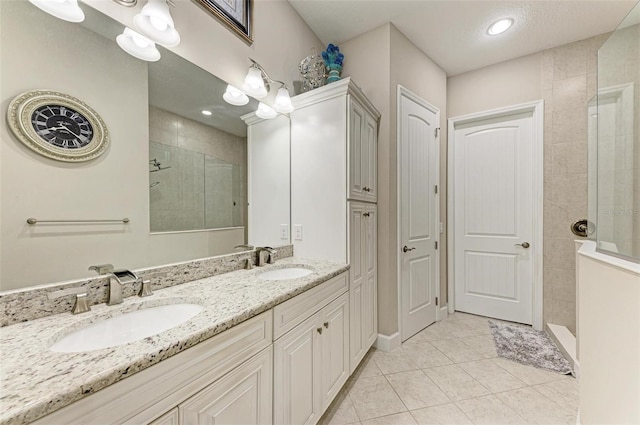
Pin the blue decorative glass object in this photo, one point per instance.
(333, 62)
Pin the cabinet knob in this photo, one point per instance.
(319, 331)
(366, 189)
(366, 214)
(326, 325)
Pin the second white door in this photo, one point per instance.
(493, 161)
(419, 223)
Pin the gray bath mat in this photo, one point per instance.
(529, 347)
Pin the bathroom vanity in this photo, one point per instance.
(260, 351)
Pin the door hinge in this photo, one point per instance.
(437, 131)
(436, 300)
(436, 189)
(436, 244)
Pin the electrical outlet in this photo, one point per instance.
(284, 231)
(298, 231)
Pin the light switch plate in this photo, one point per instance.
(284, 231)
(298, 231)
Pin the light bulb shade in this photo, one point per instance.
(254, 84)
(67, 10)
(266, 112)
(155, 22)
(138, 45)
(282, 103)
(235, 96)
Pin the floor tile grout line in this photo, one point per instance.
(396, 392)
(489, 395)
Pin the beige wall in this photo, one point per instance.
(115, 185)
(565, 78)
(412, 69)
(507, 83)
(372, 72)
(395, 61)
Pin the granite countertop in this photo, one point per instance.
(36, 381)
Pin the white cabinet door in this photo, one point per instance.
(356, 346)
(357, 275)
(363, 285)
(169, 418)
(370, 286)
(357, 150)
(335, 348)
(296, 374)
(241, 397)
(370, 158)
(363, 137)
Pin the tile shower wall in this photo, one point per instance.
(206, 184)
(568, 82)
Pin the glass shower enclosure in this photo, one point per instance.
(614, 144)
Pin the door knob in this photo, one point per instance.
(326, 325)
(319, 331)
(523, 244)
(406, 248)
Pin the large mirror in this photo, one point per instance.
(182, 178)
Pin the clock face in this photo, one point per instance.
(58, 126)
(62, 126)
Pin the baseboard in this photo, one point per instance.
(565, 341)
(388, 343)
(443, 313)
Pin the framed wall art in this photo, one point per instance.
(236, 14)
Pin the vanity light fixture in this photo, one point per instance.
(207, 113)
(138, 45)
(283, 101)
(155, 22)
(500, 26)
(235, 96)
(266, 112)
(255, 84)
(67, 10)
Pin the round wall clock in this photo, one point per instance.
(58, 126)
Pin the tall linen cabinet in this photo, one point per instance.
(334, 134)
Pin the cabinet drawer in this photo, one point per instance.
(289, 314)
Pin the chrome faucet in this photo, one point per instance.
(118, 278)
(266, 250)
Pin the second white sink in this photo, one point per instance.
(126, 328)
(285, 273)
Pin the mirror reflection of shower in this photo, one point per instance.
(155, 163)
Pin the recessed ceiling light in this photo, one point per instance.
(500, 26)
(207, 113)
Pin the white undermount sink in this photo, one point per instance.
(126, 328)
(285, 273)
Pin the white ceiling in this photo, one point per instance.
(453, 33)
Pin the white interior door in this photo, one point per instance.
(493, 160)
(419, 228)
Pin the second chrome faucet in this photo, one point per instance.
(119, 278)
(268, 252)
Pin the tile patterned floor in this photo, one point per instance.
(450, 374)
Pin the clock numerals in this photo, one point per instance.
(62, 126)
